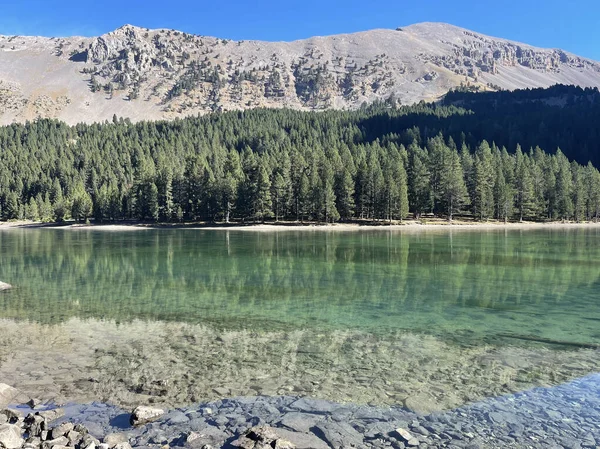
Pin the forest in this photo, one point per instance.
(523, 155)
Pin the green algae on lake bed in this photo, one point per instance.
(427, 318)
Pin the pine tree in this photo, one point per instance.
(115, 200)
(279, 189)
(146, 204)
(504, 195)
(101, 202)
(45, 208)
(81, 208)
(564, 188)
(31, 210)
(419, 187)
(579, 192)
(344, 192)
(329, 212)
(592, 181)
(262, 198)
(468, 167)
(483, 201)
(437, 150)
(164, 185)
(454, 194)
(524, 192)
(302, 199)
(395, 187)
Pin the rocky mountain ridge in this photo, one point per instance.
(165, 74)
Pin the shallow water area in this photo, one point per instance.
(426, 320)
(563, 416)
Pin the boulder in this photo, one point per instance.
(62, 430)
(5, 286)
(407, 437)
(142, 415)
(10, 436)
(8, 394)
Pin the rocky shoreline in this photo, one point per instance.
(566, 416)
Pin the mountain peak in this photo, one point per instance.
(140, 73)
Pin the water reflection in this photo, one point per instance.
(464, 286)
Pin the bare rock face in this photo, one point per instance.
(143, 415)
(166, 74)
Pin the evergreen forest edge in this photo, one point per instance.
(476, 154)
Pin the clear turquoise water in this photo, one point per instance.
(464, 286)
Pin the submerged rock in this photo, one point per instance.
(5, 286)
(143, 414)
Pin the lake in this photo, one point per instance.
(430, 320)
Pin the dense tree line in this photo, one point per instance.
(378, 163)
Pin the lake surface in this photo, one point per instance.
(430, 319)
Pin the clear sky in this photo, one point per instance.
(573, 25)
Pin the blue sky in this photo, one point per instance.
(572, 25)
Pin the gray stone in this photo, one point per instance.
(7, 395)
(302, 440)
(61, 430)
(73, 437)
(52, 415)
(407, 437)
(60, 441)
(339, 434)
(208, 436)
(206, 411)
(10, 436)
(299, 422)
(143, 414)
(115, 438)
(197, 424)
(4, 286)
(176, 417)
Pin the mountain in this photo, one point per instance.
(165, 74)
